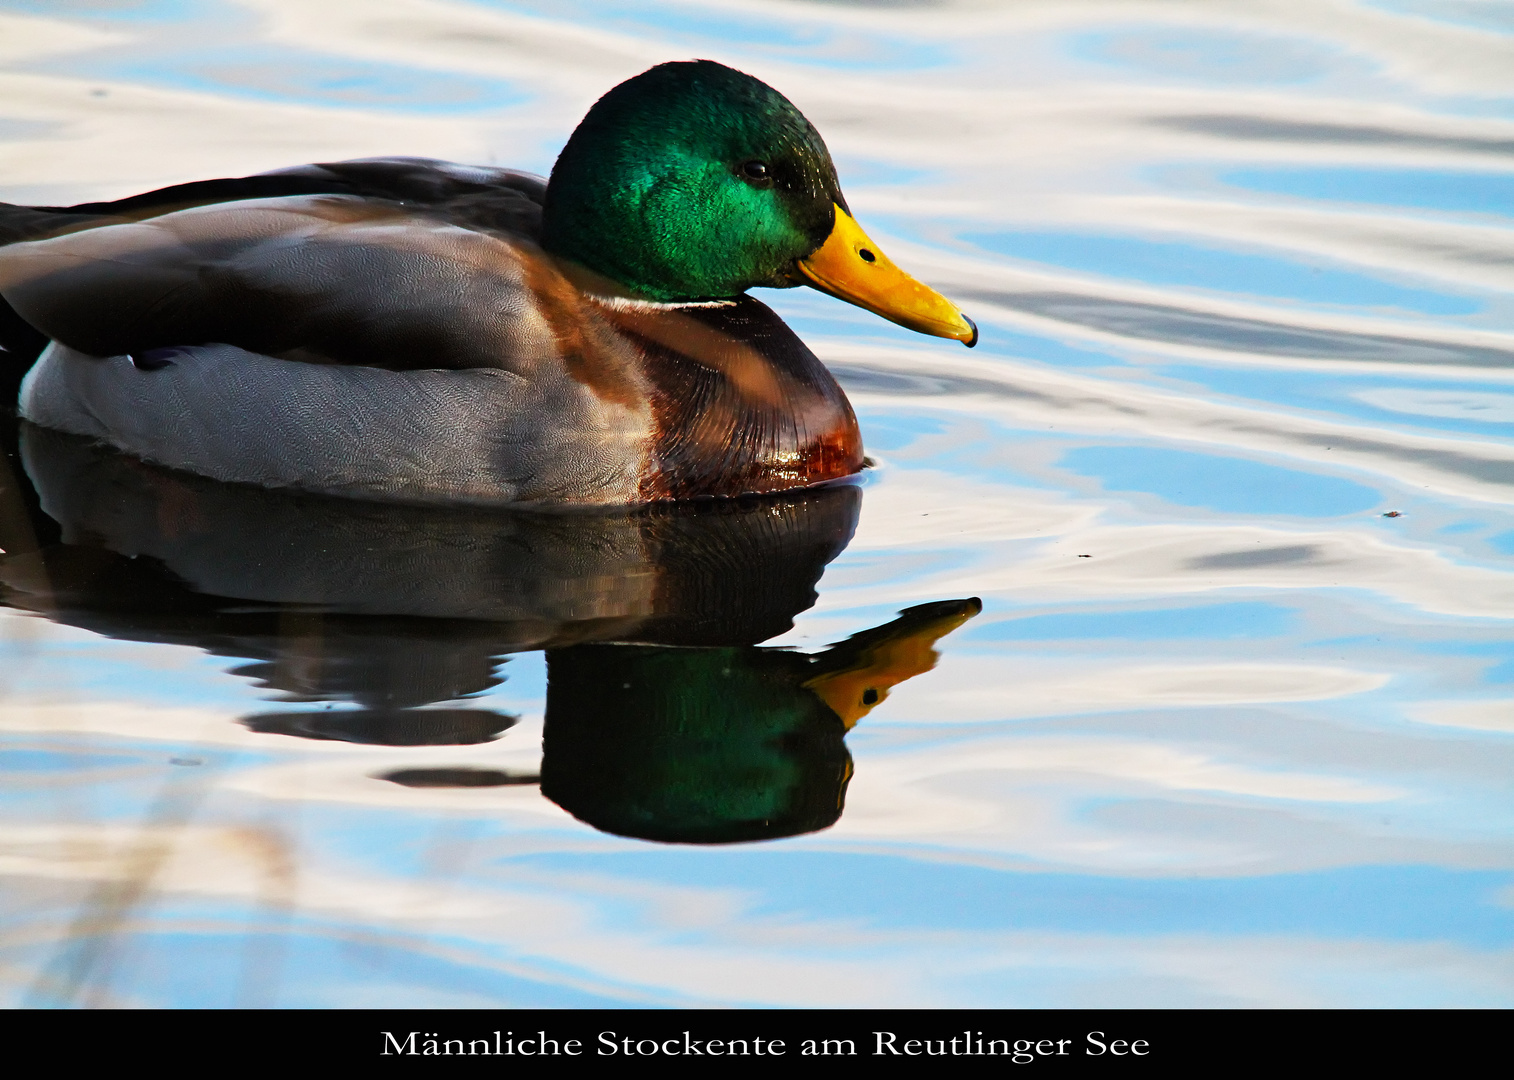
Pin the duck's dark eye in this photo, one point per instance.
(754, 170)
(869, 696)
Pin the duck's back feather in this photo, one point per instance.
(504, 199)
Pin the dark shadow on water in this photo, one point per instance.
(1273, 556)
(1182, 326)
(396, 727)
(461, 777)
(1268, 129)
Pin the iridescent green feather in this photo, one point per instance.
(650, 190)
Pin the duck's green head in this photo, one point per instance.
(694, 181)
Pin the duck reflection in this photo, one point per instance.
(727, 744)
(663, 719)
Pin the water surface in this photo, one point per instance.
(1231, 471)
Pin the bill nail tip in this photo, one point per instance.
(970, 342)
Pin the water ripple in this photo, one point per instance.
(1229, 471)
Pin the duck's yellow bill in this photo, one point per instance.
(850, 266)
(900, 651)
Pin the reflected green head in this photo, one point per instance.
(691, 181)
(696, 746)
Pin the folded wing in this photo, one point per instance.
(415, 265)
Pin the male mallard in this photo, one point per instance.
(412, 330)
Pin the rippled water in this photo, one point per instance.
(1231, 471)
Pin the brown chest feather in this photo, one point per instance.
(739, 403)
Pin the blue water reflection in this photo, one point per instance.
(44, 761)
(1474, 13)
(1339, 904)
(285, 75)
(114, 10)
(1429, 189)
(1170, 263)
(848, 46)
(1229, 485)
(1207, 54)
(1215, 621)
(1224, 733)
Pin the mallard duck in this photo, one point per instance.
(412, 330)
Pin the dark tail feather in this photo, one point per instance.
(19, 223)
(21, 343)
(402, 179)
(204, 192)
